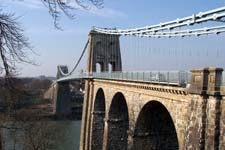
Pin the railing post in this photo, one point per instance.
(131, 75)
(179, 78)
(168, 77)
(150, 75)
(137, 76)
(143, 76)
(159, 77)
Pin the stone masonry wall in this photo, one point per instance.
(136, 98)
(194, 136)
(222, 124)
(198, 119)
(194, 116)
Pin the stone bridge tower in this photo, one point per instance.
(104, 50)
(62, 68)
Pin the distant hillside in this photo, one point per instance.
(43, 77)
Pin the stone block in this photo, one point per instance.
(199, 81)
(214, 81)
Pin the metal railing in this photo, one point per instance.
(178, 78)
(181, 78)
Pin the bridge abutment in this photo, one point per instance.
(212, 133)
(62, 99)
(204, 129)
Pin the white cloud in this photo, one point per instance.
(37, 4)
(107, 12)
(31, 4)
(52, 31)
(102, 12)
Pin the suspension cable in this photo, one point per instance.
(212, 15)
(78, 62)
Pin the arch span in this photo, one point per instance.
(155, 129)
(98, 120)
(118, 123)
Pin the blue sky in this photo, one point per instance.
(64, 47)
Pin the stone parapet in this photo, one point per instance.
(199, 81)
(206, 81)
(214, 81)
(222, 90)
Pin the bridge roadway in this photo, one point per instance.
(176, 78)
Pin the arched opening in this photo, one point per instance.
(155, 129)
(98, 121)
(110, 67)
(99, 67)
(118, 123)
(113, 67)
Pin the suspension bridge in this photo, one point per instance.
(161, 30)
(125, 109)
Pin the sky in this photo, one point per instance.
(56, 47)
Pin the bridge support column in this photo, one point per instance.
(86, 117)
(222, 124)
(105, 136)
(130, 139)
(104, 50)
(204, 129)
(213, 109)
(62, 99)
(212, 132)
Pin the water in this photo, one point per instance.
(67, 136)
(71, 139)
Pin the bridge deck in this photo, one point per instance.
(176, 78)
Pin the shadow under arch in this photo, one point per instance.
(98, 115)
(118, 123)
(154, 129)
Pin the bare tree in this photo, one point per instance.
(13, 50)
(12, 44)
(38, 138)
(67, 7)
(12, 39)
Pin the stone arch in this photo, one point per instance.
(155, 129)
(118, 123)
(98, 115)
